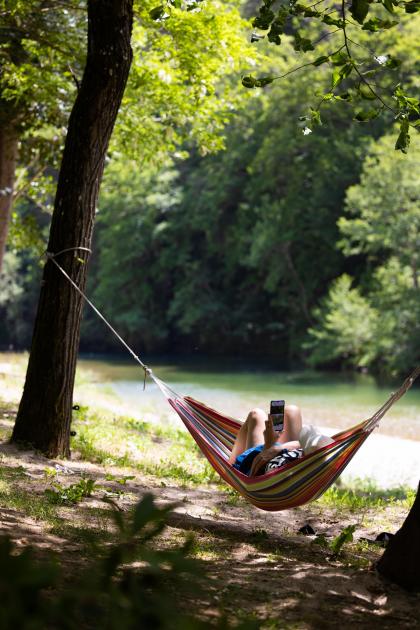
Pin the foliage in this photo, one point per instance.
(73, 493)
(347, 324)
(182, 84)
(41, 55)
(383, 217)
(178, 89)
(361, 70)
(377, 324)
(345, 536)
(219, 251)
(122, 588)
(235, 252)
(18, 292)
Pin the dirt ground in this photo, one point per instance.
(258, 563)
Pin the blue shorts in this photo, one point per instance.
(244, 461)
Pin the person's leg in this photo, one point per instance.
(292, 426)
(250, 434)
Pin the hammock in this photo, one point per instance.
(294, 484)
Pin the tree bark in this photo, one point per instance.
(8, 157)
(44, 415)
(401, 560)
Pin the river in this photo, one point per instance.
(331, 400)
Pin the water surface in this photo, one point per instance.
(328, 400)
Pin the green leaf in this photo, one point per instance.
(365, 93)
(376, 24)
(263, 81)
(315, 117)
(345, 536)
(277, 26)
(412, 7)
(264, 19)
(144, 513)
(359, 10)
(157, 13)
(393, 62)
(311, 13)
(344, 96)
(302, 43)
(403, 140)
(321, 60)
(339, 58)
(365, 116)
(327, 19)
(389, 5)
(341, 73)
(249, 81)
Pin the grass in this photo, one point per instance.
(361, 495)
(157, 451)
(35, 506)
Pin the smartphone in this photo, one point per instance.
(277, 413)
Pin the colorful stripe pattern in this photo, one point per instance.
(294, 484)
(290, 486)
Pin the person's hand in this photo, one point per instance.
(262, 458)
(270, 436)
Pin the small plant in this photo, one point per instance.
(50, 473)
(121, 480)
(345, 536)
(321, 540)
(233, 497)
(72, 494)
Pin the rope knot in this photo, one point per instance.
(147, 372)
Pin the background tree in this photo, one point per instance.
(382, 224)
(44, 421)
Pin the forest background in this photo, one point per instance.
(256, 234)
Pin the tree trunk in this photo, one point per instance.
(8, 157)
(401, 560)
(44, 414)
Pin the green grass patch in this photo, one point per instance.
(91, 529)
(8, 473)
(152, 449)
(364, 496)
(33, 505)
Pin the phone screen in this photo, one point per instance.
(277, 413)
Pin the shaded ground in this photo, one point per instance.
(258, 564)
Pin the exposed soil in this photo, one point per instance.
(257, 562)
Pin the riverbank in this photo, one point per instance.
(249, 557)
(387, 461)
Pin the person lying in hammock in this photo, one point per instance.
(259, 449)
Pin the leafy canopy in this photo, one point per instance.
(361, 73)
(377, 323)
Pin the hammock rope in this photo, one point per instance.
(294, 484)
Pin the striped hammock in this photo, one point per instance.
(303, 480)
(294, 484)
